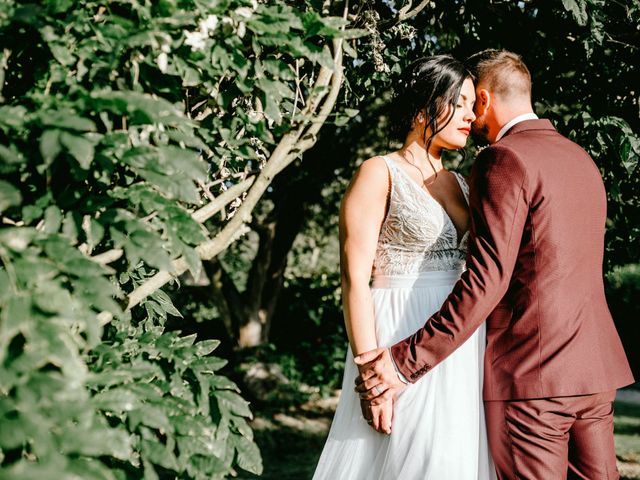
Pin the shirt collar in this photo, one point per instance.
(518, 119)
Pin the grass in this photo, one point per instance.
(627, 428)
(291, 439)
(627, 437)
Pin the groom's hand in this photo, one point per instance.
(378, 380)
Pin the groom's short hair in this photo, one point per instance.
(503, 72)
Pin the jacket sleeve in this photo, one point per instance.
(498, 208)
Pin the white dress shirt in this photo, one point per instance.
(518, 119)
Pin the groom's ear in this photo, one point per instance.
(483, 100)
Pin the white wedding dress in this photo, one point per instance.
(438, 428)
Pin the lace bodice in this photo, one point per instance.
(417, 235)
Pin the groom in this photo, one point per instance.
(534, 273)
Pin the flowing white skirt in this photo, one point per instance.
(438, 428)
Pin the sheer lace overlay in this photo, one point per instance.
(417, 235)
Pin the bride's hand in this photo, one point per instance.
(378, 416)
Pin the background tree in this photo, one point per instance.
(125, 126)
(581, 55)
(139, 139)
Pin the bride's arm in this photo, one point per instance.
(361, 215)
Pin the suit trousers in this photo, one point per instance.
(553, 438)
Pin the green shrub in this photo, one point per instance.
(117, 119)
(623, 295)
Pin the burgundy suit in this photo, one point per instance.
(534, 273)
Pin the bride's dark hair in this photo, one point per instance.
(429, 84)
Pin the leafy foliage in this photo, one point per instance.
(119, 119)
(116, 120)
(623, 289)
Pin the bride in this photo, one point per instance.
(403, 226)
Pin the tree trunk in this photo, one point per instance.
(247, 315)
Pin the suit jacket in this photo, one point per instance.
(534, 273)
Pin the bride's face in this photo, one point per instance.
(455, 134)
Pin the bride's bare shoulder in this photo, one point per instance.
(370, 181)
(374, 169)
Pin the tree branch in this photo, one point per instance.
(201, 215)
(279, 159)
(404, 14)
(221, 201)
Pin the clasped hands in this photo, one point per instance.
(378, 386)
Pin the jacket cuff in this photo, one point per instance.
(402, 378)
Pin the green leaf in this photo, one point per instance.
(9, 196)
(55, 43)
(152, 416)
(184, 342)
(171, 169)
(144, 244)
(34, 271)
(10, 156)
(183, 224)
(163, 299)
(31, 213)
(248, 454)
(149, 472)
(229, 401)
(70, 227)
(205, 347)
(116, 400)
(96, 441)
(242, 426)
(176, 186)
(142, 107)
(52, 219)
(17, 239)
(5, 286)
(159, 454)
(30, 470)
(274, 92)
(194, 263)
(68, 120)
(208, 364)
(54, 344)
(12, 116)
(190, 139)
(578, 9)
(13, 432)
(214, 466)
(94, 232)
(189, 75)
(89, 469)
(60, 6)
(192, 425)
(223, 383)
(70, 260)
(183, 161)
(15, 315)
(141, 370)
(51, 298)
(79, 147)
